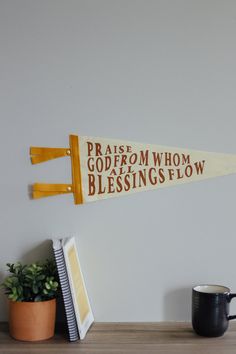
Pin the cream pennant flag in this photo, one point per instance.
(105, 168)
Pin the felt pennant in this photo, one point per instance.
(105, 168)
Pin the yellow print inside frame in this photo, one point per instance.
(78, 284)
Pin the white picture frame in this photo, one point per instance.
(83, 311)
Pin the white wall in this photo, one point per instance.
(161, 72)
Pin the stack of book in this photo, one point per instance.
(78, 311)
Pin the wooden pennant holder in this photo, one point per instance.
(42, 154)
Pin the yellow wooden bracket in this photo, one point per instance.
(42, 154)
(41, 190)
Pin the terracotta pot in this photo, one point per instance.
(32, 321)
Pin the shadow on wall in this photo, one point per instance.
(30, 191)
(177, 304)
(3, 298)
(38, 253)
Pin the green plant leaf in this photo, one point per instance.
(38, 298)
(32, 282)
(35, 289)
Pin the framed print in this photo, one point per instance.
(83, 312)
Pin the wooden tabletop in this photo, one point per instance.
(122, 338)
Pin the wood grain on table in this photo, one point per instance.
(122, 338)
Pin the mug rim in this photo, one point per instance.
(226, 291)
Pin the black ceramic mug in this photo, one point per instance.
(210, 309)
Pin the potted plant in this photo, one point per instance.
(32, 290)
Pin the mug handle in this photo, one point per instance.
(230, 297)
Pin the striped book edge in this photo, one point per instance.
(66, 292)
